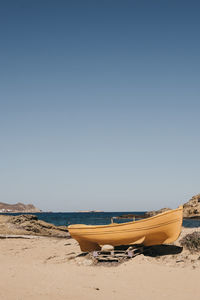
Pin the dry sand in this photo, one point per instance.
(47, 268)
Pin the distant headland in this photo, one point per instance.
(18, 208)
(89, 211)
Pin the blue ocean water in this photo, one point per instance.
(93, 218)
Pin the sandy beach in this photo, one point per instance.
(48, 268)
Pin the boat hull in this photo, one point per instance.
(163, 228)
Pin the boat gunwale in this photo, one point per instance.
(84, 227)
(127, 230)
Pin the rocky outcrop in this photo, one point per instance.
(18, 207)
(30, 225)
(191, 209)
(155, 212)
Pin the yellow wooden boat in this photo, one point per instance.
(163, 228)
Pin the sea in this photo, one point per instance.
(93, 218)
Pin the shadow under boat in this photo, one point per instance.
(153, 251)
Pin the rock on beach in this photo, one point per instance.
(30, 225)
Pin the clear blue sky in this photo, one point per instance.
(99, 103)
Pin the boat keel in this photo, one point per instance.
(88, 246)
